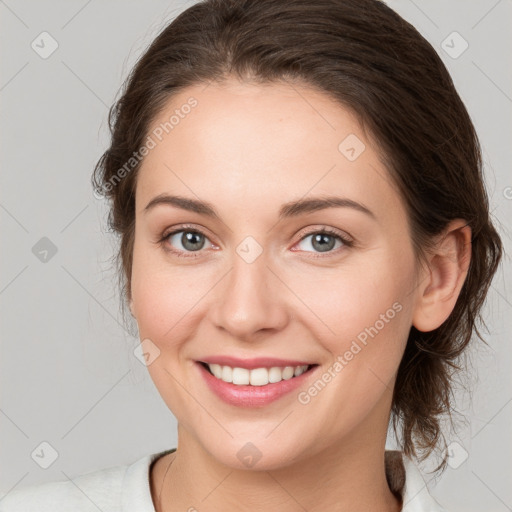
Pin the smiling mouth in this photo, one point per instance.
(256, 376)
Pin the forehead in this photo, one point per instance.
(261, 144)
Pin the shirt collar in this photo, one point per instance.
(405, 479)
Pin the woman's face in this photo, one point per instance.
(259, 280)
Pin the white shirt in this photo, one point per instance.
(126, 488)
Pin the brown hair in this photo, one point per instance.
(365, 56)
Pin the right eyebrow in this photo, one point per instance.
(185, 203)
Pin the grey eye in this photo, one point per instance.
(189, 240)
(322, 242)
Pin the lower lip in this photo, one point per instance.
(252, 396)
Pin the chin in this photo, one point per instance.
(260, 454)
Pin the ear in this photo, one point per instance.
(442, 281)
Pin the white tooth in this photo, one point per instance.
(288, 372)
(227, 374)
(256, 376)
(299, 370)
(259, 377)
(240, 376)
(216, 369)
(275, 374)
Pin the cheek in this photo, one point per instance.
(365, 316)
(348, 300)
(167, 298)
(164, 298)
(153, 288)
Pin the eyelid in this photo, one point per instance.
(345, 237)
(185, 227)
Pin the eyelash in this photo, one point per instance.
(187, 228)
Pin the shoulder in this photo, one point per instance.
(90, 491)
(104, 489)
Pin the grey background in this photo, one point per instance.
(69, 376)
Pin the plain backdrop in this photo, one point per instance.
(69, 376)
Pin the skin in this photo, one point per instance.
(247, 149)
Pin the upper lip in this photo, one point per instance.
(255, 362)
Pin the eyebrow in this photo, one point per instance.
(287, 210)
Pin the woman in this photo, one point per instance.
(305, 246)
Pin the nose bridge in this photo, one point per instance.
(249, 300)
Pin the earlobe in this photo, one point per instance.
(443, 280)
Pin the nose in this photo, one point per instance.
(251, 299)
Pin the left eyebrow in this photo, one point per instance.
(295, 208)
(287, 210)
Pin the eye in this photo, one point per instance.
(324, 241)
(184, 241)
